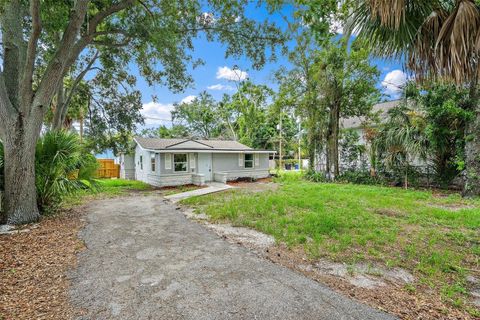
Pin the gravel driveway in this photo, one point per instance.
(145, 260)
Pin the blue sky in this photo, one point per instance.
(217, 77)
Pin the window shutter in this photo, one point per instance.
(240, 159)
(192, 160)
(168, 161)
(257, 160)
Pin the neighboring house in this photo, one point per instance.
(171, 162)
(358, 124)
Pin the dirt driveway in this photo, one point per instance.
(145, 260)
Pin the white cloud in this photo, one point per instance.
(156, 113)
(336, 26)
(231, 74)
(221, 87)
(394, 81)
(188, 99)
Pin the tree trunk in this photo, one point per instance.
(336, 134)
(472, 146)
(332, 167)
(472, 157)
(59, 113)
(20, 191)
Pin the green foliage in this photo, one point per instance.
(350, 223)
(199, 117)
(249, 106)
(58, 160)
(359, 177)
(446, 113)
(175, 131)
(401, 140)
(89, 167)
(350, 150)
(314, 176)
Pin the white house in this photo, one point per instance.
(171, 162)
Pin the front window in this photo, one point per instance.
(152, 161)
(180, 162)
(141, 162)
(248, 160)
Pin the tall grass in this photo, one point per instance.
(434, 237)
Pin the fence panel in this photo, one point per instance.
(108, 169)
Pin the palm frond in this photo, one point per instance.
(456, 47)
(391, 13)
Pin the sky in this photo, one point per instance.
(218, 76)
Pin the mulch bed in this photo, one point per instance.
(33, 268)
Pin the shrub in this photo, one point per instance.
(59, 160)
(359, 177)
(89, 167)
(314, 176)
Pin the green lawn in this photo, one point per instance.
(434, 236)
(105, 188)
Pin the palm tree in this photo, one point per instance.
(439, 39)
(402, 140)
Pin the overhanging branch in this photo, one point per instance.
(26, 92)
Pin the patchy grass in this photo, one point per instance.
(106, 188)
(167, 191)
(436, 238)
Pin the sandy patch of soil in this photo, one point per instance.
(392, 290)
(259, 185)
(249, 238)
(33, 265)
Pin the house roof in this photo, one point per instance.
(381, 108)
(190, 144)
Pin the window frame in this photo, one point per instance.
(153, 162)
(252, 161)
(141, 162)
(184, 162)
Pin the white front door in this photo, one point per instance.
(205, 165)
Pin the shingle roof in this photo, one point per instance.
(160, 144)
(225, 144)
(382, 108)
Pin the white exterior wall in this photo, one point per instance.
(225, 166)
(127, 166)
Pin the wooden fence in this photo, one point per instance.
(108, 169)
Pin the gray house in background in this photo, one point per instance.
(172, 162)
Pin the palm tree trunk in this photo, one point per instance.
(472, 146)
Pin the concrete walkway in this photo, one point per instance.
(146, 260)
(212, 187)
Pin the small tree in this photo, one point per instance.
(401, 140)
(347, 85)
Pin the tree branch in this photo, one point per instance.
(107, 43)
(26, 92)
(79, 78)
(13, 51)
(61, 60)
(99, 17)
